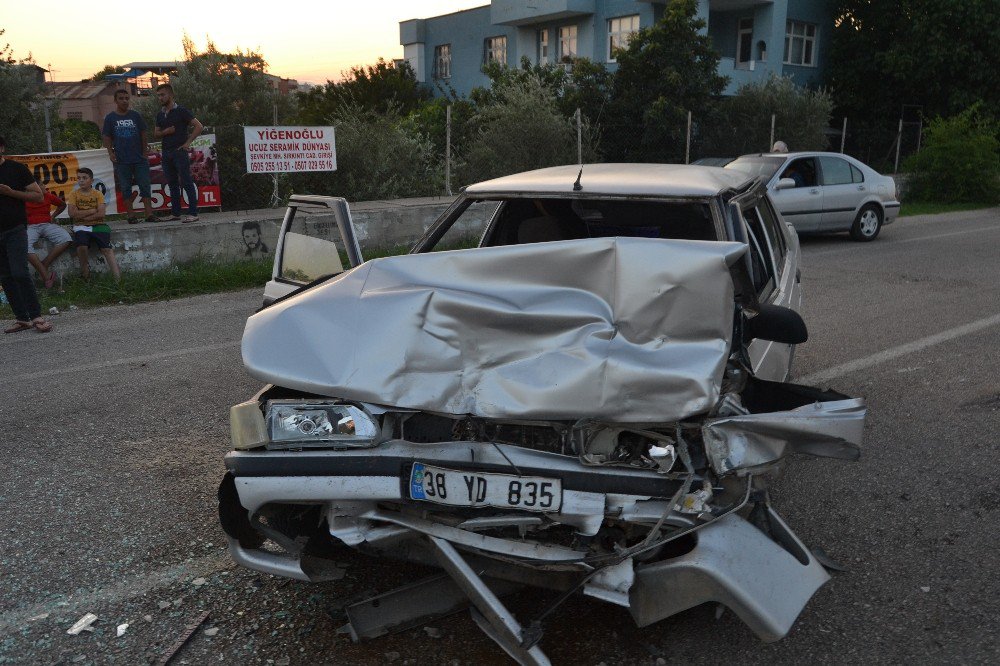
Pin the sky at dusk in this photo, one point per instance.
(308, 41)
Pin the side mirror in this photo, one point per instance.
(784, 184)
(777, 324)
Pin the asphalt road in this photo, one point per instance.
(113, 428)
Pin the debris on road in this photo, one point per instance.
(198, 582)
(83, 624)
(122, 628)
(40, 616)
(925, 589)
(211, 631)
(433, 632)
(182, 639)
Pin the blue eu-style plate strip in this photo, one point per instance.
(417, 482)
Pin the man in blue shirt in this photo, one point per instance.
(125, 138)
(173, 123)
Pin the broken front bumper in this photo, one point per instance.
(759, 570)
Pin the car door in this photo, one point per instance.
(774, 273)
(843, 190)
(317, 241)
(801, 205)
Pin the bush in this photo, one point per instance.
(743, 122)
(959, 161)
(518, 128)
(379, 156)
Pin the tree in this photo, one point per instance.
(380, 155)
(78, 135)
(938, 55)
(22, 115)
(98, 76)
(228, 88)
(667, 70)
(959, 160)
(517, 128)
(742, 123)
(380, 88)
(585, 86)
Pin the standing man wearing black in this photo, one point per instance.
(17, 186)
(177, 127)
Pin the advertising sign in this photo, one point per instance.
(204, 172)
(58, 172)
(289, 149)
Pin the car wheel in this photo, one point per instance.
(867, 224)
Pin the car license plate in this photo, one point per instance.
(457, 488)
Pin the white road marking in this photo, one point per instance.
(897, 351)
(146, 358)
(854, 248)
(133, 586)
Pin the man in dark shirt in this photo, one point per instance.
(172, 125)
(125, 139)
(17, 186)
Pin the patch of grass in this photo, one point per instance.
(200, 276)
(930, 208)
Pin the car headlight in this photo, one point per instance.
(298, 424)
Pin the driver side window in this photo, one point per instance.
(802, 171)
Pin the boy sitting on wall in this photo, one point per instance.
(86, 208)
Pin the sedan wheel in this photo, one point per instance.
(867, 224)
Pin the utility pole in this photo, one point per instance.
(447, 149)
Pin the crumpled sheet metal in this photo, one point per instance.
(622, 329)
(830, 429)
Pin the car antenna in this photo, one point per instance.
(577, 186)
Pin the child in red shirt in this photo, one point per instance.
(40, 226)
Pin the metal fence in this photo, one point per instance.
(691, 139)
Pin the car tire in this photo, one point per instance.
(867, 224)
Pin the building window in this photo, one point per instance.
(74, 115)
(800, 43)
(442, 61)
(744, 41)
(495, 50)
(619, 31)
(567, 43)
(543, 46)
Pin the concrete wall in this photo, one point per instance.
(149, 246)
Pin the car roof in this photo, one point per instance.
(666, 180)
(801, 153)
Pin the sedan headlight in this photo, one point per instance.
(293, 424)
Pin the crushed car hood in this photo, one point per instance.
(622, 329)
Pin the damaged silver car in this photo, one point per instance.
(577, 380)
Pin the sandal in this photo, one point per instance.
(19, 326)
(41, 325)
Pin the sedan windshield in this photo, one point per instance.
(518, 220)
(757, 165)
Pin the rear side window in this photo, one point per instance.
(762, 261)
(836, 171)
(775, 233)
(856, 175)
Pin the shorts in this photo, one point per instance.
(102, 238)
(133, 174)
(49, 231)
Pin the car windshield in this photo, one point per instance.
(532, 220)
(757, 165)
